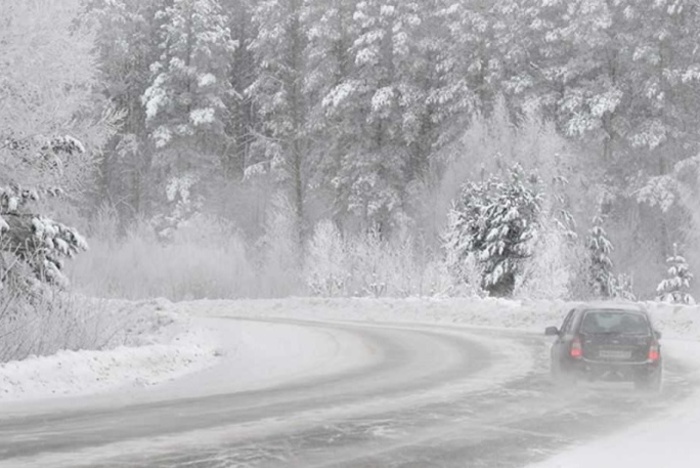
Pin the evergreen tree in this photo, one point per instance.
(280, 95)
(127, 34)
(675, 287)
(496, 221)
(387, 109)
(243, 122)
(44, 103)
(601, 268)
(32, 243)
(185, 102)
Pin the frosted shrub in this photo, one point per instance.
(326, 261)
(278, 252)
(205, 259)
(546, 275)
(367, 265)
(380, 267)
(50, 321)
(624, 287)
(464, 271)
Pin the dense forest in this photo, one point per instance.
(251, 148)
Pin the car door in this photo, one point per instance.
(560, 346)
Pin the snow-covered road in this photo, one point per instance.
(341, 394)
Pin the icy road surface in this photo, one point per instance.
(374, 395)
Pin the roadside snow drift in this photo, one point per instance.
(73, 373)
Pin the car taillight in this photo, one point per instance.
(654, 352)
(576, 351)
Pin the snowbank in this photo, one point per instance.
(175, 351)
(673, 320)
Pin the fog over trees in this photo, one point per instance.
(257, 148)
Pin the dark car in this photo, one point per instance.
(607, 342)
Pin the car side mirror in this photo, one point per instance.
(551, 331)
(657, 334)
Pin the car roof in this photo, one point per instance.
(612, 305)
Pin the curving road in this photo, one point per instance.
(423, 396)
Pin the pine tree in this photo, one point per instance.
(386, 111)
(280, 95)
(496, 221)
(675, 287)
(601, 268)
(33, 245)
(127, 34)
(44, 128)
(243, 123)
(185, 102)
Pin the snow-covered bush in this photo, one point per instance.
(496, 221)
(624, 287)
(368, 265)
(675, 287)
(278, 253)
(57, 321)
(204, 258)
(326, 261)
(548, 273)
(466, 272)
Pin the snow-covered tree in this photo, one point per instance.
(675, 287)
(601, 277)
(281, 100)
(243, 122)
(386, 111)
(185, 102)
(496, 221)
(32, 243)
(126, 37)
(45, 121)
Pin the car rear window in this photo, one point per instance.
(614, 321)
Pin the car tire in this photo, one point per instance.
(650, 383)
(560, 377)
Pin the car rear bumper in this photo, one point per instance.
(616, 371)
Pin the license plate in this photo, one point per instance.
(614, 354)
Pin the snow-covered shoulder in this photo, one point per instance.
(176, 350)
